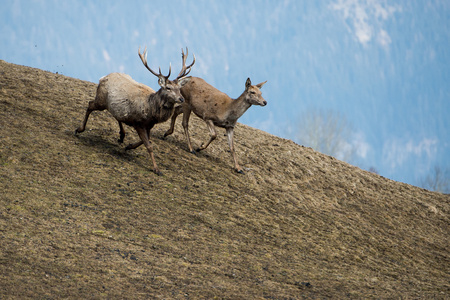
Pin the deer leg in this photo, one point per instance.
(185, 123)
(133, 145)
(213, 135)
(91, 107)
(178, 110)
(137, 144)
(230, 132)
(121, 132)
(144, 135)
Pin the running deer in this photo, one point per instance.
(216, 109)
(138, 105)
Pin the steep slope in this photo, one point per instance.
(82, 218)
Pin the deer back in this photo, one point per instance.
(206, 101)
(127, 100)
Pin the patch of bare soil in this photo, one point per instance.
(81, 218)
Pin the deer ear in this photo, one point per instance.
(248, 83)
(162, 81)
(260, 85)
(182, 81)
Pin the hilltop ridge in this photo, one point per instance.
(82, 218)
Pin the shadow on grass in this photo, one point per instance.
(103, 144)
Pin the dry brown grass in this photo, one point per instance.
(81, 218)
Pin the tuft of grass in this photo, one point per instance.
(82, 218)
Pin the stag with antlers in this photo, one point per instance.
(136, 104)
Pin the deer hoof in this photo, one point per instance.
(240, 171)
(157, 172)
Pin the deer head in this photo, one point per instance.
(253, 94)
(170, 89)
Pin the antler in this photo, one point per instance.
(185, 70)
(143, 57)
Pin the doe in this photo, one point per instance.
(216, 109)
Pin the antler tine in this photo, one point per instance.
(193, 61)
(170, 71)
(189, 68)
(185, 70)
(143, 57)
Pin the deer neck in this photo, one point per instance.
(160, 101)
(238, 107)
(160, 107)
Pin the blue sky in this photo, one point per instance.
(382, 65)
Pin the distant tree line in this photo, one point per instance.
(330, 132)
(437, 180)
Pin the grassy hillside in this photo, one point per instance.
(81, 218)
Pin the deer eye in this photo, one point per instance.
(252, 92)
